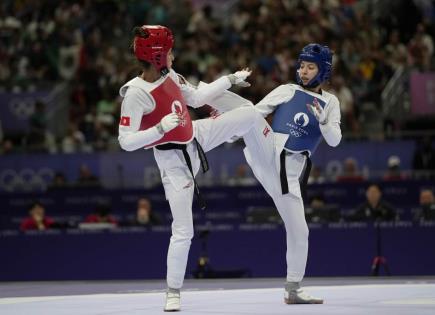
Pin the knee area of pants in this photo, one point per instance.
(305, 233)
(299, 234)
(182, 234)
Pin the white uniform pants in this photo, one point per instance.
(209, 133)
(261, 153)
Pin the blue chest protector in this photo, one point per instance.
(296, 119)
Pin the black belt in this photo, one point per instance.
(202, 158)
(283, 174)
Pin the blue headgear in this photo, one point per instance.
(320, 55)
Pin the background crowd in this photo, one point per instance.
(374, 208)
(82, 48)
(85, 44)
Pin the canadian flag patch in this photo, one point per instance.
(125, 121)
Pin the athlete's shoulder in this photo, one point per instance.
(136, 97)
(176, 77)
(289, 87)
(332, 97)
(278, 95)
(283, 89)
(136, 85)
(123, 90)
(293, 86)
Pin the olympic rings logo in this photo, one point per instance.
(295, 133)
(22, 108)
(25, 179)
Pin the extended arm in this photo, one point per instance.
(197, 97)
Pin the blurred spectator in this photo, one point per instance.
(350, 172)
(37, 219)
(316, 205)
(426, 212)
(421, 49)
(107, 107)
(86, 178)
(38, 124)
(7, 147)
(74, 141)
(102, 137)
(59, 182)
(318, 211)
(145, 216)
(243, 177)
(344, 94)
(394, 171)
(101, 215)
(316, 176)
(82, 43)
(424, 159)
(374, 208)
(396, 52)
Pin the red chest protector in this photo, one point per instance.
(168, 100)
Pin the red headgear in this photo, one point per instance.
(154, 49)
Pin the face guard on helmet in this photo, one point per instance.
(155, 46)
(322, 57)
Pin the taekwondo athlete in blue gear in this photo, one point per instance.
(279, 153)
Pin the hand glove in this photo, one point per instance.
(239, 77)
(168, 123)
(319, 113)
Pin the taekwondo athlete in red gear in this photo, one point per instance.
(154, 115)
